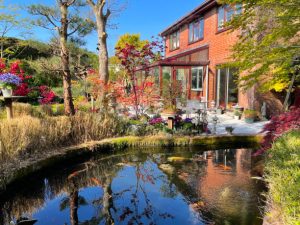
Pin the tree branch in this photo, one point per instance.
(91, 2)
(71, 3)
(74, 31)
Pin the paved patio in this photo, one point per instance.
(240, 126)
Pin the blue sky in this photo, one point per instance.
(146, 17)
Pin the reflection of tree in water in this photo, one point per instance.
(134, 213)
(73, 202)
(115, 204)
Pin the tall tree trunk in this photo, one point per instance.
(2, 48)
(63, 33)
(101, 21)
(102, 47)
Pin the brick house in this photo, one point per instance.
(196, 45)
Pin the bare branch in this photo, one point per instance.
(71, 3)
(91, 2)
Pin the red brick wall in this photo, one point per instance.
(219, 51)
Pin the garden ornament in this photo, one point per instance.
(215, 121)
(264, 111)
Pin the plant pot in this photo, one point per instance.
(219, 111)
(249, 120)
(7, 92)
(237, 117)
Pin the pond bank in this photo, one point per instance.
(14, 170)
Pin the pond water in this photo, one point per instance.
(177, 186)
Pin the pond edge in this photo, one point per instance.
(10, 175)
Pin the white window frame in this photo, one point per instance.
(227, 86)
(175, 35)
(192, 25)
(199, 68)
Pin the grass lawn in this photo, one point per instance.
(283, 177)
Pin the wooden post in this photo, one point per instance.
(171, 123)
(160, 80)
(8, 106)
(92, 102)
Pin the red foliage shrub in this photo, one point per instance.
(47, 95)
(279, 125)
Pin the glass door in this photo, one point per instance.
(182, 81)
(227, 89)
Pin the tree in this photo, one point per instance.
(132, 58)
(268, 43)
(115, 69)
(70, 23)
(131, 39)
(10, 20)
(101, 16)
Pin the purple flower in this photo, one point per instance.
(156, 121)
(188, 120)
(9, 79)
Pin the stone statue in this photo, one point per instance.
(264, 111)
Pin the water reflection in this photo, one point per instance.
(178, 187)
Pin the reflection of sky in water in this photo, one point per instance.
(215, 185)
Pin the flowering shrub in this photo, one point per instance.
(155, 121)
(47, 95)
(187, 120)
(23, 83)
(279, 125)
(9, 80)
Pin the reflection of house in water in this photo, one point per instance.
(227, 187)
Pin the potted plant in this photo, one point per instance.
(237, 114)
(170, 94)
(8, 82)
(220, 109)
(250, 115)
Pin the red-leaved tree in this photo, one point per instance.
(279, 125)
(139, 94)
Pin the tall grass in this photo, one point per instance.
(32, 130)
(283, 177)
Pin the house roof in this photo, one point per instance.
(205, 6)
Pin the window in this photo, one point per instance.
(197, 78)
(174, 40)
(226, 13)
(196, 30)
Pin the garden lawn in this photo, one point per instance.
(283, 177)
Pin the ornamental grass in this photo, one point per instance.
(36, 131)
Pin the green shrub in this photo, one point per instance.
(250, 113)
(283, 178)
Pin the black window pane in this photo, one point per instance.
(222, 87)
(200, 78)
(201, 32)
(194, 79)
(191, 33)
(232, 87)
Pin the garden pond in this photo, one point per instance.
(147, 186)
